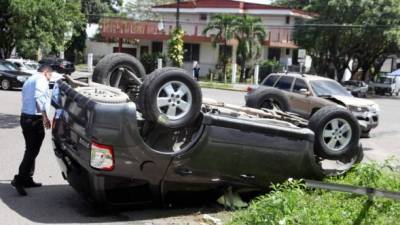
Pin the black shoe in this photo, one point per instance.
(18, 185)
(29, 183)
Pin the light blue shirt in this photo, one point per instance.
(35, 90)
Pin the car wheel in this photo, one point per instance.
(337, 132)
(170, 97)
(108, 71)
(366, 133)
(104, 94)
(5, 84)
(271, 98)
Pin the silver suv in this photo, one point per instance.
(306, 94)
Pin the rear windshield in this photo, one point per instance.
(270, 81)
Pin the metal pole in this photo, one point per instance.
(178, 3)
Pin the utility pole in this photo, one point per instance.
(178, 3)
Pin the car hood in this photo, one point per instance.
(15, 73)
(347, 100)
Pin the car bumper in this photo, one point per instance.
(367, 120)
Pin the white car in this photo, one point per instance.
(30, 66)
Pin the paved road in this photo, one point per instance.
(58, 203)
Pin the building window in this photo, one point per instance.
(191, 52)
(156, 47)
(203, 16)
(288, 20)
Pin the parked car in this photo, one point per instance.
(386, 85)
(166, 143)
(59, 65)
(29, 66)
(357, 88)
(306, 94)
(10, 77)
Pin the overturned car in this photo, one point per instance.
(153, 139)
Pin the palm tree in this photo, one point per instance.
(250, 33)
(223, 24)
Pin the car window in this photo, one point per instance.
(299, 84)
(285, 83)
(270, 81)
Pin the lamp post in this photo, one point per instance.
(178, 3)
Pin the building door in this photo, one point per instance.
(130, 51)
(274, 53)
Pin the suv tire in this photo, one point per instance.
(337, 133)
(104, 94)
(267, 97)
(107, 72)
(170, 97)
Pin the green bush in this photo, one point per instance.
(292, 203)
(267, 67)
(149, 61)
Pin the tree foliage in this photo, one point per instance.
(296, 4)
(30, 25)
(250, 33)
(141, 9)
(175, 47)
(363, 31)
(222, 27)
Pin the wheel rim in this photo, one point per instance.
(337, 134)
(5, 84)
(174, 100)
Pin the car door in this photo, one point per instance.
(213, 160)
(299, 98)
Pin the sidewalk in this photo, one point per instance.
(223, 86)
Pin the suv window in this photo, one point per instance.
(270, 81)
(299, 84)
(285, 83)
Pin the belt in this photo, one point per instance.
(28, 116)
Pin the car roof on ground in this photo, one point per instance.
(305, 76)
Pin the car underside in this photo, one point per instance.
(114, 151)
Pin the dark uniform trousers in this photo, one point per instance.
(33, 130)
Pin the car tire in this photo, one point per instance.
(269, 97)
(104, 94)
(107, 72)
(170, 97)
(5, 84)
(366, 133)
(337, 133)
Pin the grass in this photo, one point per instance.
(292, 203)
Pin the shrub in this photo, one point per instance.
(292, 203)
(175, 47)
(149, 61)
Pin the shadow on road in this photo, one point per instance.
(54, 204)
(8, 121)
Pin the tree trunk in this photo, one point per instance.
(243, 72)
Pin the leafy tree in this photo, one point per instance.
(223, 25)
(296, 4)
(30, 25)
(93, 10)
(175, 47)
(345, 30)
(141, 9)
(250, 33)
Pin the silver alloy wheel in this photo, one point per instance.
(337, 134)
(5, 84)
(174, 100)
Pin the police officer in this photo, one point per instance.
(34, 118)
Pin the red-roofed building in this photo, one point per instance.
(152, 36)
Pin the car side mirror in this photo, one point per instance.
(305, 92)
